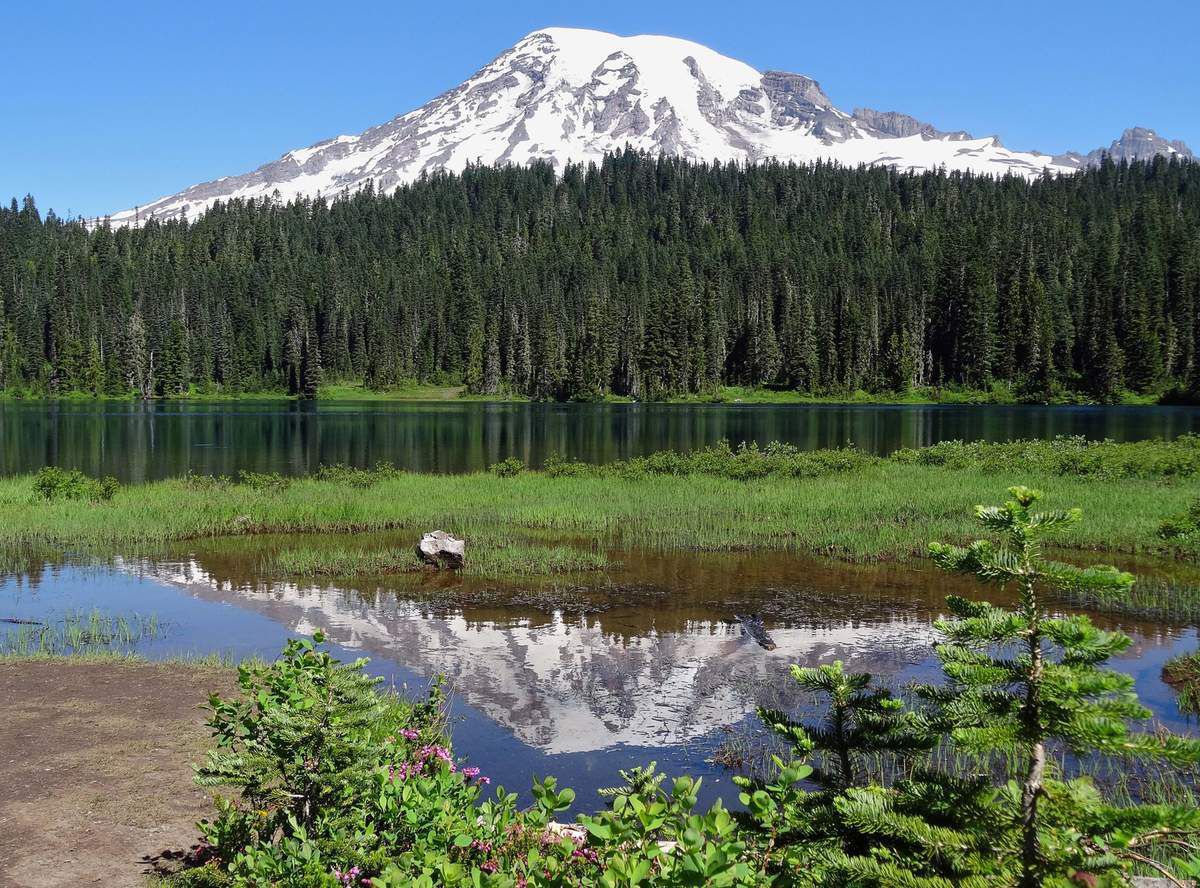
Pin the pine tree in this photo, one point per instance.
(1021, 680)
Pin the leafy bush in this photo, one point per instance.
(338, 784)
(508, 468)
(558, 467)
(53, 483)
(340, 473)
(1185, 524)
(263, 482)
(1074, 456)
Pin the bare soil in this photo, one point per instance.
(95, 769)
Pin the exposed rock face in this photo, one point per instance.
(1136, 143)
(564, 95)
(901, 126)
(441, 550)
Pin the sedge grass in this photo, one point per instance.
(79, 632)
(1183, 674)
(881, 510)
(488, 555)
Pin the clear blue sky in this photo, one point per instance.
(109, 104)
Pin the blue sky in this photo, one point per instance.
(108, 104)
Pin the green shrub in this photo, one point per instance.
(1068, 456)
(264, 482)
(53, 483)
(338, 784)
(557, 466)
(340, 473)
(1185, 524)
(508, 468)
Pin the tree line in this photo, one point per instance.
(638, 276)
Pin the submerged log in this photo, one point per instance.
(438, 549)
(752, 625)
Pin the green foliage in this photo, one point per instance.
(860, 827)
(1022, 680)
(263, 482)
(1183, 526)
(1074, 456)
(1183, 674)
(337, 783)
(53, 483)
(637, 276)
(508, 468)
(339, 473)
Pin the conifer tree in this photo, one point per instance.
(1022, 681)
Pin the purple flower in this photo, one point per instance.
(410, 734)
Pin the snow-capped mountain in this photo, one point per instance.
(564, 95)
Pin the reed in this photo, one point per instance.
(80, 632)
(1183, 674)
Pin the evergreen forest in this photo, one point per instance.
(642, 277)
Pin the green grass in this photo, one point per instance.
(999, 393)
(1149, 599)
(79, 633)
(1183, 674)
(355, 390)
(860, 508)
(489, 555)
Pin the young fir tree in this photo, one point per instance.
(1024, 682)
(861, 827)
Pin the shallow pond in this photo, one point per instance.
(139, 441)
(574, 678)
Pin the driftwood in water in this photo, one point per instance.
(438, 549)
(20, 622)
(752, 625)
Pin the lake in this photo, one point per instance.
(139, 441)
(576, 680)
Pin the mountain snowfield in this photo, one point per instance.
(569, 95)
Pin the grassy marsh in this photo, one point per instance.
(839, 503)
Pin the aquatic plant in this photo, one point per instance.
(1183, 674)
(79, 633)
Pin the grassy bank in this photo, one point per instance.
(355, 390)
(841, 503)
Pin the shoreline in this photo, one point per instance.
(1000, 396)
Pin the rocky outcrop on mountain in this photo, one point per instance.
(902, 126)
(1136, 143)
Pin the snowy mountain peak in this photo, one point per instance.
(571, 95)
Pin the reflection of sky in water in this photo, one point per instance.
(535, 693)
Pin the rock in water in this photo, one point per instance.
(438, 549)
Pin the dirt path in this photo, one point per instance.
(95, 769)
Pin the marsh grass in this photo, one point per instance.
(1183, 674)
(836, 502)
(80, 632)
(1149, 599)
(489, 555)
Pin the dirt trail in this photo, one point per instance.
(95, 769)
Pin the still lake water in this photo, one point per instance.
(644, 663)
(138, 441)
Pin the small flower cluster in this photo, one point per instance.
(350, 876)
(472, 773)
